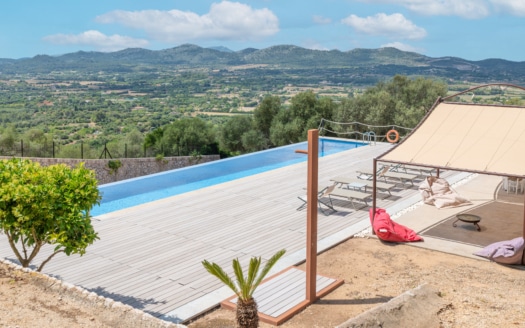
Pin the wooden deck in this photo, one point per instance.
(280, 297)
(150, 256)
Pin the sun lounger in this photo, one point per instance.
(323, 193)
(351, 195)
(360, 183)
(385, 173)
(402, 177)
(410, 169)
(366, 174)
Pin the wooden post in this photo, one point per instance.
(523, 235)
(311, 213)
(374, 202)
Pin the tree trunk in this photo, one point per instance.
(246, 315)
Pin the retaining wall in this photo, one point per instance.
(131, 167)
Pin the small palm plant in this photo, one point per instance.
(246, 314)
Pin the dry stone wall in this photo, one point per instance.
(130, 167)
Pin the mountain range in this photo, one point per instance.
(382, 61)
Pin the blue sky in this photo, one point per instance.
(470, 29)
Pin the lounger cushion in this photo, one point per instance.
(388, 230)
(436, 191)
(504, 252)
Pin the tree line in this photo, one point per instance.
(401, 101)
(276, 121)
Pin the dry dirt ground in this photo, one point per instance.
(30, 299)
(475, 293)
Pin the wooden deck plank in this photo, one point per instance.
(276, 290)
(86, 273)
(121, 281)
(162, 240)
(77, 263)
(283, 292)
(322, 282)
(145, 291)
(294, 296)
(169, 296)
(157, 289)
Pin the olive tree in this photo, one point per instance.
(8, 138)
(231, 133)
(135, 140)
(401, 101)
(187, 135)
(46, 205)
(264, 113)
(153, 141)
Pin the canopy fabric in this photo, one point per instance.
(467, 137)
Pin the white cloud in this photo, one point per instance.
(403, 47)
(321, 20)
(464, 8)
(393, 26)
(225, 21)
(97, 40)
(513, 7)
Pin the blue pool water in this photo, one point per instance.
(131, 192)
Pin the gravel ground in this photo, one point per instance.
(30, 299)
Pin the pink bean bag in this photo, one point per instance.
(388, 230)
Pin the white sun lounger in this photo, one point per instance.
(320, 194)
(421, 170)
(402, 177)
(385, 173)
(360, 183)
(351, 195)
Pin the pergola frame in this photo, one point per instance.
(438, 167)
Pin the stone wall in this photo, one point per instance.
(130, 168)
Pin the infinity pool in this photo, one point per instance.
(131, 192)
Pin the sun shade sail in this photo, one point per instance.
(467, 137)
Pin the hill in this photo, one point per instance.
(379, 63)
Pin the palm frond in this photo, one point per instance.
(271, 262)
(253, 270)
(218, 272)
(246, 285)
(240, 278)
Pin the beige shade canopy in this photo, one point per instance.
(467, 137)
(488, 139)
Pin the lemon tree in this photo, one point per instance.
(46, 205)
